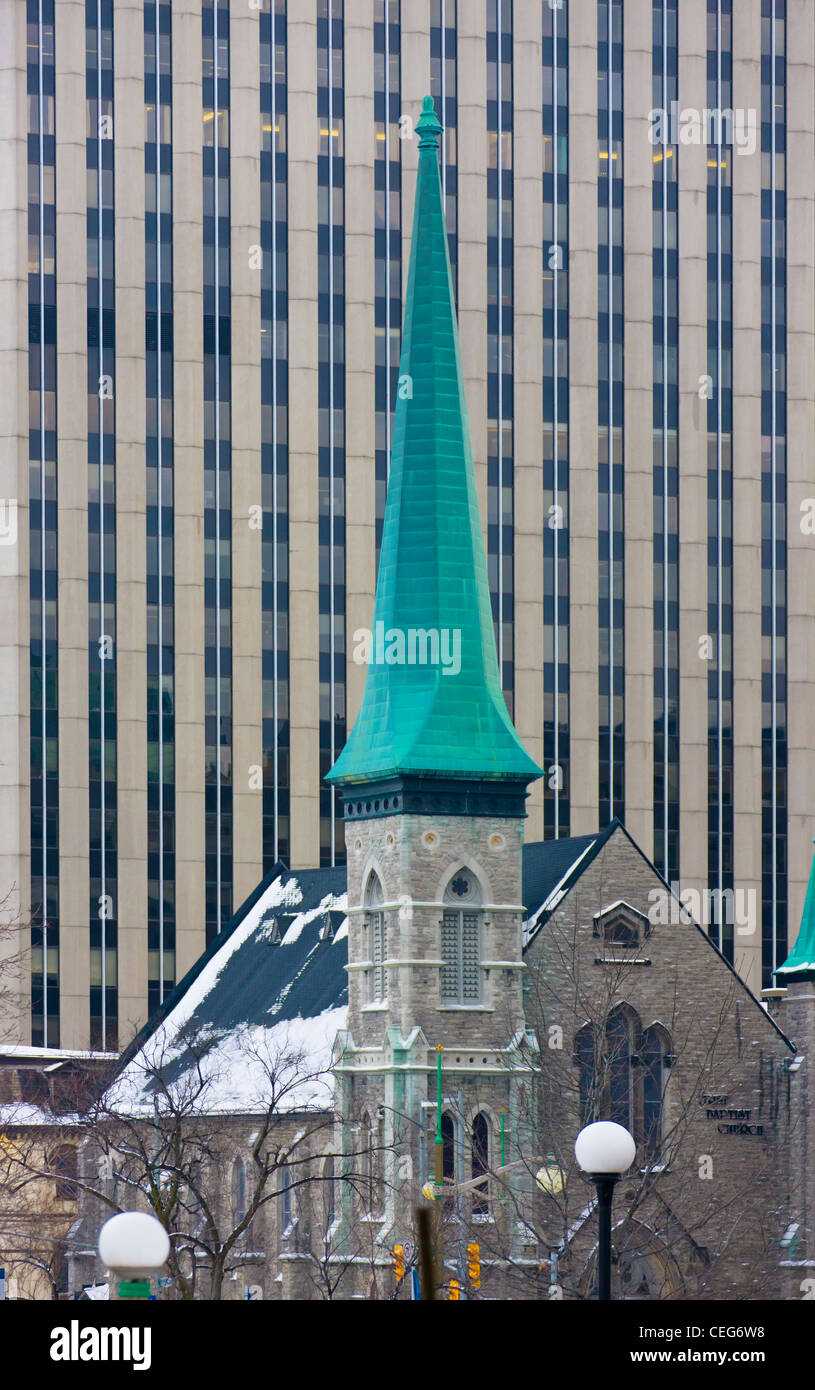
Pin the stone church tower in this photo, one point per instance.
(433, 783)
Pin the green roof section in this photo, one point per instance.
(432, 703)
(801, 959)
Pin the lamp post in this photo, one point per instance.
(133, 1245)
(605, 1151)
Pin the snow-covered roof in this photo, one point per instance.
(257, 1016)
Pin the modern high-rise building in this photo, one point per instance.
(204, 208)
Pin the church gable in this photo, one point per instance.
(617, 911)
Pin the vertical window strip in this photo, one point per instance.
(43, 540)
(500, 338)
(556, 815)
(102, 712)
(774, 486)
(217, 464)
(611, 462)
(387, 237)
(444, 90)
(161, 919)
(720, 475)
(665, 59)
(331, 374)
(274, 324)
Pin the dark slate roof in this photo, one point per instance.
(263, 982)
(548, 861)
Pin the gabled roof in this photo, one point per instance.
(270, 988)
(420, 717)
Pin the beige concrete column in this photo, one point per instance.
(800, 448)
(473, 155)
(304, 620)
(247, 633)
(131, 536)
(72, 502)
(15, 865)
(747, 643)
(360, 340)
(693, 615)
(188, 408)
(583, 561)
(415, 34)
(638, 453)
(528, 374)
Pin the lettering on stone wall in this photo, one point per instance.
(729, 1119)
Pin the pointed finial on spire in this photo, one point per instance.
(428, 126)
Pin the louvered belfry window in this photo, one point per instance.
(461, 942)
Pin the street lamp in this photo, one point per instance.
(605, 1151)
(133, 1245)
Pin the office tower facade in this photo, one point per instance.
(204, 233)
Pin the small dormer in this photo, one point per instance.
(621, 925)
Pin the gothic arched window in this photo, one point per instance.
(287, 1197)
(654, 1061)
(449, 1137)
(619, 1050)
(376, 935)
(238, 1191)
(330, 1193)
(622, 1075)
(480, 1163)
(461, 927)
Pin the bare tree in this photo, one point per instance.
(15, 964)
(170, 1135)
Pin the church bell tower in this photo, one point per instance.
(433, 782)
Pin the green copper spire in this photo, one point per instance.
(432, 705)
(800, 963)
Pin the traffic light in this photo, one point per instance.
(399, 1261)
(455, 1293)
(474, 1264)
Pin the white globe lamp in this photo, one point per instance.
(133, 1245)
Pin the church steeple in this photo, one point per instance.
(433, 707)
(800, 963)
